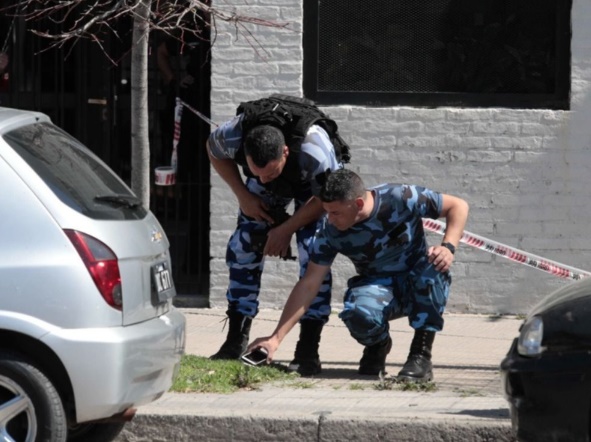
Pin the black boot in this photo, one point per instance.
(418, 366)
(305, 359)
(374, 357)
(237, 339)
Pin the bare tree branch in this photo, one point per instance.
(64, 22)
(88, 19)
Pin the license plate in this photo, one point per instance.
(162, 282)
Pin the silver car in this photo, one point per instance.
(88, 331)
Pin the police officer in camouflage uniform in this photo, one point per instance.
(266, 189)
(380, 230)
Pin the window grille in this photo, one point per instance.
(478, 53)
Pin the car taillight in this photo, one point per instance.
(102, 265)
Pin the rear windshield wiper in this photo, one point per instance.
(131, 202)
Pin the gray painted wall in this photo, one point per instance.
(525, 173)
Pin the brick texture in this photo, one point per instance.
(524, 172)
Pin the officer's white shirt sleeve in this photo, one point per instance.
(225, 140)
(317, 157)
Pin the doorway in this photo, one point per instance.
(88, 96)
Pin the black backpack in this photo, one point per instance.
(294, 116)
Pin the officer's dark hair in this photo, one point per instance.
(342, 185)
(263, 144)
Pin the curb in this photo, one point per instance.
(321, 428)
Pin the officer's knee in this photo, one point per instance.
(364, 328)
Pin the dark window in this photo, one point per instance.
(476, 53)
(77, 177)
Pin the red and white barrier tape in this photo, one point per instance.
(471, 239)
(516, 255)
(199, 114)
(178, 114)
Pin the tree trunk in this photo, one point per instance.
(140, 142)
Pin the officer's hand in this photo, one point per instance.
(278, 241)
(441, 257)
(269, 343)
(254, 207)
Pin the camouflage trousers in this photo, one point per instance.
(370, 302)
(246, 265)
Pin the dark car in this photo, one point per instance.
(547, 372)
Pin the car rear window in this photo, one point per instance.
(77, 176)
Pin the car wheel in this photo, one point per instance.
(30, 406)
(95, 432)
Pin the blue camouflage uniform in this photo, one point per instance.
(315, 157)
(389, 251)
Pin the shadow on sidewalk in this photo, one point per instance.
(493, 413)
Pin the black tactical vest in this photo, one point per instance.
(293, 116)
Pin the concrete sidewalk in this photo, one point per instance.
(339, 404)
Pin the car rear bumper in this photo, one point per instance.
(548, 396)
(115, 368)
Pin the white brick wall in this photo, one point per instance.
(525, 173)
